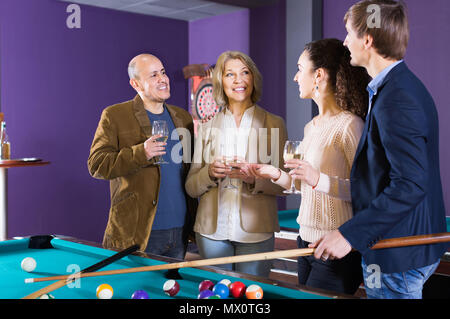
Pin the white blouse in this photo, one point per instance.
(234, 142)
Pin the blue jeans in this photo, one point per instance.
(209, 248)
(399, 285)
(167, 242)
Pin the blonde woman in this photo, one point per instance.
(237, 213)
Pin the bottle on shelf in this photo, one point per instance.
(5, 146)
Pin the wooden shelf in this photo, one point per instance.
(20, 162)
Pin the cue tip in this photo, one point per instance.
(29, 280)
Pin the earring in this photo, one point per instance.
(317, 93)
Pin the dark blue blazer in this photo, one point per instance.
(395, 181)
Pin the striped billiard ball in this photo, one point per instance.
(171, 287)
(254, 292)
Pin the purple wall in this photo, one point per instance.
(55, 83)
(268, 50)
(208, 38)
(427, 57)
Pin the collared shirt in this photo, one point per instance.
(375, 84)
(235, 143)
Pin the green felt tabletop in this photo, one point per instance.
(68, 257)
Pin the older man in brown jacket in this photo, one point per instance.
(124, 151)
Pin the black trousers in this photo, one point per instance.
(340, 275)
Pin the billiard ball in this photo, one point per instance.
(205, 294)
(221, 290)
(226, 282)
(28, 264)
(104, 291)
(214, 297)
(254, 292)
(205, 284)
(237, 289)
(171, 287)
(140, 294)
(47, 296)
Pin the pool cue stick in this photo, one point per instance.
(385, 243)
(412, 241)
(195, 263)
(73, 277)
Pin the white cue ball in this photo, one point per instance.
(28, 264)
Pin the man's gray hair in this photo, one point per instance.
(132, 69)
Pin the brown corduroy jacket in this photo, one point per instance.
(117, 154)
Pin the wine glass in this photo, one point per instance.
(292, 150)
(160, 128)
(227, 157)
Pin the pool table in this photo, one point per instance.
(56, 255)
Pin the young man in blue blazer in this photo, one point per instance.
(395, 179)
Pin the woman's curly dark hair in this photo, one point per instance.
(348, 83)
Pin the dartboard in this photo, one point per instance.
(204, 103)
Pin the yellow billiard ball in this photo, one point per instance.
(104, 291)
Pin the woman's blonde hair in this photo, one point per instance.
(218, 91)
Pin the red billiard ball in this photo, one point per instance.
(171, 287)
(254, 292)
(205, 284)
(237, 289)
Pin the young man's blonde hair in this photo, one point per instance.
(390, 34)
(218, 91)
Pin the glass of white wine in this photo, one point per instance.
(292, 150)
(160, 128)
(227, 157)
